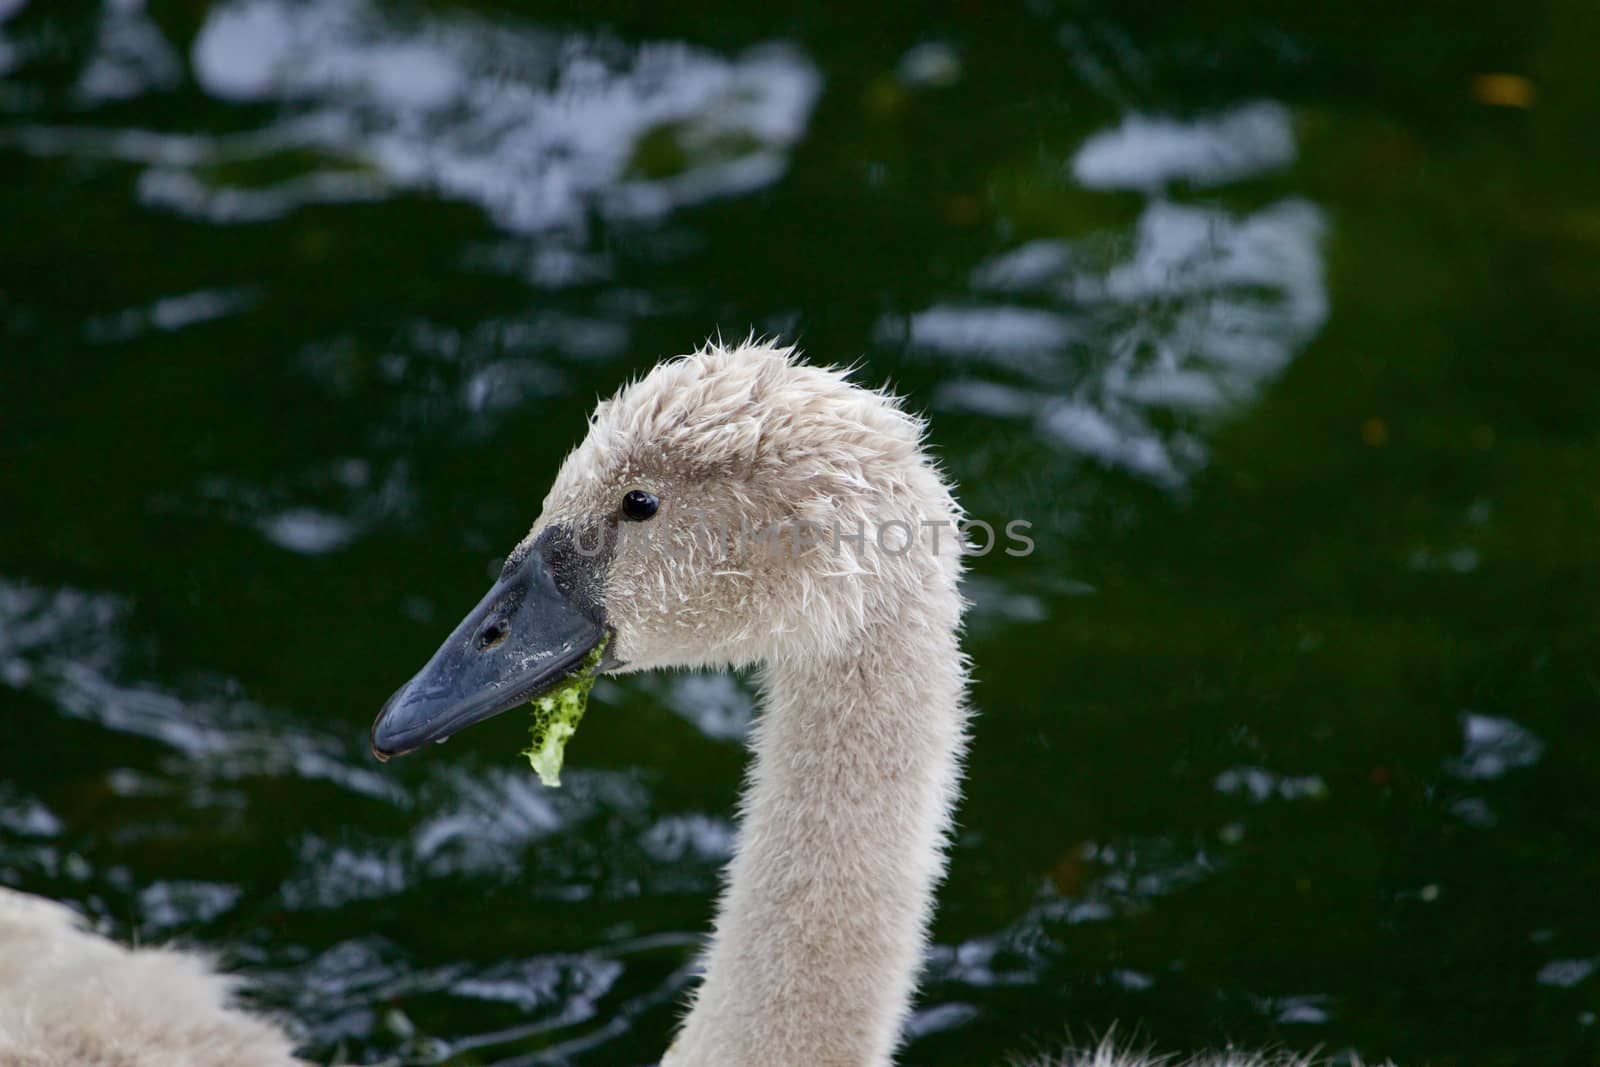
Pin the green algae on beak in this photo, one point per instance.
(556, 716)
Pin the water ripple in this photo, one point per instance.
(536, 127)
(61, 644)
(1126, 358)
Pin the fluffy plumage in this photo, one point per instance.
(850, 609)
(740, 443)
(856, 757)
(70, 998)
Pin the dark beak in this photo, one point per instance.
(532, 630)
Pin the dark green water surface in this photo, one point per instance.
(1278, 322)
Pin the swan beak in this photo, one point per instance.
(530, 632)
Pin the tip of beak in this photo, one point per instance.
(379, 754)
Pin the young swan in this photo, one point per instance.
(736, 507)
(696, 524)
(69, 997)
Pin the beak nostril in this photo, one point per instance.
(492, 635)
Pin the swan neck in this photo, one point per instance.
(821, 929)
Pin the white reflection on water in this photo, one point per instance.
(131, 57)
(1145, 153)
(62, 646)
(1130, 873)
(172, 313)
(320, 511)
(488, 817)
(1311, 1008)
(1565, 974)
(574, 983)
(717, 703)
(28, 829)
(466, 378)
(26, 816)
(9, 56)
(1124, 360)
(674, 838)
(930, 65)
(307, 531)
(536, 127)
(169, 905)
(337, 992)
(1493, 746)
(1261, 784)
(332, 874)
(542, 130)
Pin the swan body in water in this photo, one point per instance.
(733, 508)
(71, 998)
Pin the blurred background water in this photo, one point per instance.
(1276, 320)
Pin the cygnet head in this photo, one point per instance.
(734, 506)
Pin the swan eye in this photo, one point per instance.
(638, 505)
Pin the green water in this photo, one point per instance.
(1278, 325)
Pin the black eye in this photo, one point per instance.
(638, 505)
